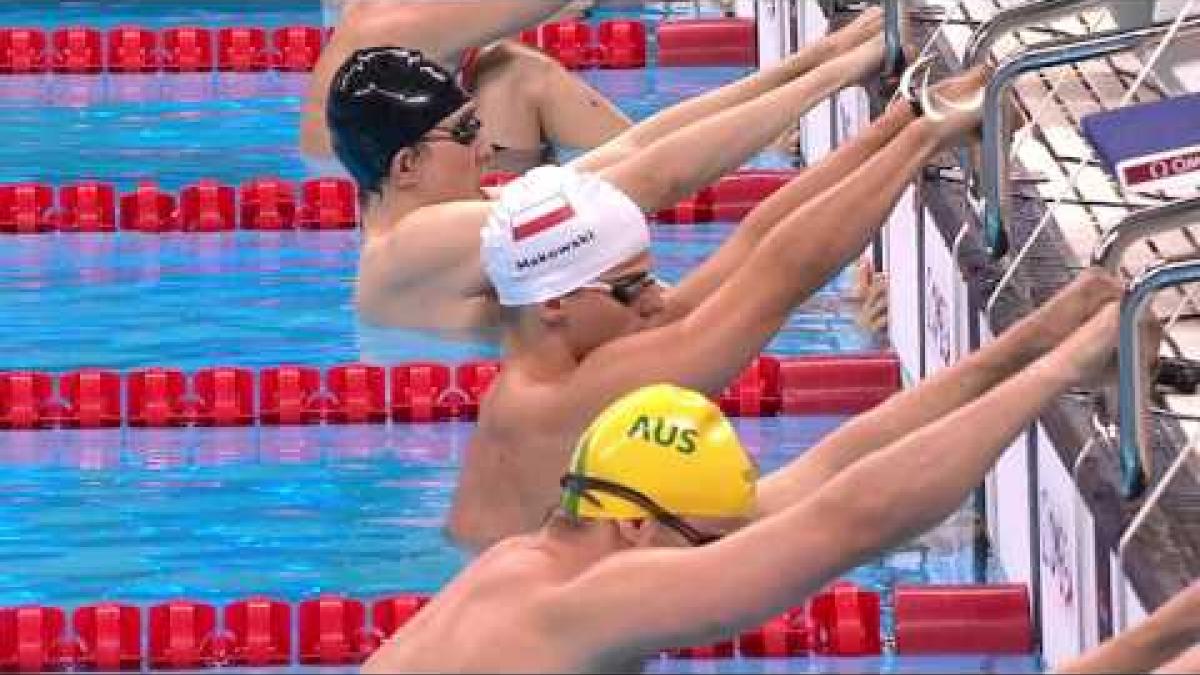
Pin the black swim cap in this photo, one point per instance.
(382, 100)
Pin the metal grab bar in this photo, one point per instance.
(995, 135)
(1130, 378)
(893, 40)
(1015, 18)
(1141, 224)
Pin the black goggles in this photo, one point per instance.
(627, 289)
(464, 131)
(583, 485)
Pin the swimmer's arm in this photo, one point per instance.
(1188, 663)
(696, 109)
(644, 600)
(709, 347)
(678, 164)
(973, 376)
(1172, 628)
(446, 28)
(434, 250)
(706, 278)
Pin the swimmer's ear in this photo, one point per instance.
(551, 312)
(404, 167)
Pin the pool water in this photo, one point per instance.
(215, 514)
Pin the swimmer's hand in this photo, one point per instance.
(955, 105)
(871, 292)
(867, 25)
(1088, 357)
(1080, 300)
(873, 315)
(1090, 354)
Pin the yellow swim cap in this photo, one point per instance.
(669, 444)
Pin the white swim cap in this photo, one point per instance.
(554, 230)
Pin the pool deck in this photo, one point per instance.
(1165, 554)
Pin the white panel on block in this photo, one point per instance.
(1011, 532)
(904, 320)
(1061, 550)
(941, 293)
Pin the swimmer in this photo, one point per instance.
(585, 320)
(652, 547)
(1166, 642)
(410, 136)
(527, 100)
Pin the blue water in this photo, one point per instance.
(216, 514)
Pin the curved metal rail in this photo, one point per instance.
(1131, 380)
(1015, 18)
(995, 134)
(1140, 225)
(893, 40)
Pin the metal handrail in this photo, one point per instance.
(995, 135)
(893, 40)
(1015, 18)
(1140, 225)
(1130, 378)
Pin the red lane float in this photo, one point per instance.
(155, 397)
(333, 631)
(24, 397)
(614, 43)
(181, 635)
(260, 631)
(26, 208)
(187, 49)
(288, 395)
(92, 398)
(267, 204)
(986, 619)
(207, 206)
(148, 209)
(848, 621)
(297, 48)
(756, 392)
(77, 50)
(328, 204)
(89, 206)
(110, 636)
(843, 620)
(241, 49)
(419, 391)
(790, 634)
(358, 393)
(569, 42)
(847, 384)
(22, 50)
(32, 639)
(622, 44)
(707, 42)
(133, 49)
(271, 203)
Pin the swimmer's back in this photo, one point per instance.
(489, 619)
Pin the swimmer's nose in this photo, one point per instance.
(651, 302)
(484, 152)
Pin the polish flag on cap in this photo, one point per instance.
(542, 216)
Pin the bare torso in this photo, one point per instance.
(492, 618)
(510, 472)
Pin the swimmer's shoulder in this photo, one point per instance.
(472, 211)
